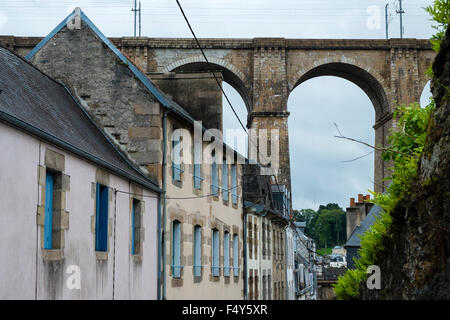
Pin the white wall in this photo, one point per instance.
(20, 250)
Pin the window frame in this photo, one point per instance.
(234, 193)
(215, 254)
(197, 265)
(176, 249)
(101, 218)
(48, 220)
(225, 188)
(235, 255)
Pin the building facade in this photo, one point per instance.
(201, 211)
(78, 220)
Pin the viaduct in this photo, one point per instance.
(266, 70)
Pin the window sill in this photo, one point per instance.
(137, 258)
(101, 255)
(53, 254)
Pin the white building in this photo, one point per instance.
(78, 220)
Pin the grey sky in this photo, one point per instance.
(318, 174)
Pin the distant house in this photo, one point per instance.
(353, 244)
(305, 272)
(71, 203)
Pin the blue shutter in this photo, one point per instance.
(236, 255)
(215, 253)
(102, 218)
(234, 184)
(214, 178)
(197, 251)
(176, 161)
(48, 222)
(225, 181)
(226, 254)
(176, 263)
(197, 176)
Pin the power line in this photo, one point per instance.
(209, 64)
(173, 198)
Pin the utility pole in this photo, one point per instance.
(401, 12)
(135, 10)
(387, 22)
(139, 18)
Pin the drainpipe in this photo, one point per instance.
(286, 259)
(158, 292)
(164, 164)
(245, 251)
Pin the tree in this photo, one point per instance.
(326, 226)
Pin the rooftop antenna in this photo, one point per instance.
(401, 12)
(136, 10)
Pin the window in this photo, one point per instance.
(176, 250)
(214, 177)
(136, 227)
(225, 180)
(264, 288)
(176, 157)
(197, 251)
(215, 253)
(234, 196)
(48, 224)
(197, 167)
(236, 255)
(101, 218)
(226, 254)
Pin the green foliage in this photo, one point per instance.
(324, 251)
(327, 226)
(440, 13)
(407, 143)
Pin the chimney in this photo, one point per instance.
(367, 197)
(352, 202)
(360, 198)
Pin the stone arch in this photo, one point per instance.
(373, 84)
(369, 80)
(231, 74)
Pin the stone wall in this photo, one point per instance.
(198, 94)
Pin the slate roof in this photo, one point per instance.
(40, 105)
(355, 240)
(300, 224)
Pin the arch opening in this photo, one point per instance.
(235, 89)
(426, 95)
(228, 76)
(321, 173)
(360, 77)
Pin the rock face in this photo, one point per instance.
(416, 261)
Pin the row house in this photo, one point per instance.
(200, 241)
(265, 235)
(172, 212)
(78, 220)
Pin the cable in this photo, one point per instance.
(175, 198)
(209, 64)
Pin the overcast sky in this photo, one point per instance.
(319, 175)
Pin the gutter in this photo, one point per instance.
(158, 284)
(245, 251)
(286, 261)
